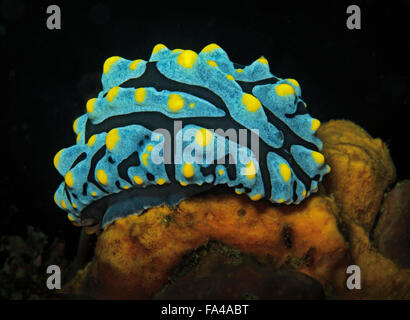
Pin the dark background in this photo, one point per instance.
(360, 75)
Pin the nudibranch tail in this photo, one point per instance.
(182, 122)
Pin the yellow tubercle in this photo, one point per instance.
(182, 183)
(109, 62)
(294, 82)
(251, 102)
(318, 157)
(229, 77)
(161, 181)
(239, 70)
(75, 125)
(138, 180)
(263, 60)
(112, 93)
(187, 58)
(192, 105)
(210, 47)
(284, 89)
(111, 139)
(63, 204)
(175, 102)
(145, 158)
(221, 172)
(250, 170)
(285, 171)
(133, 65)
(158, 47)
(150, 147)
(69, 181)
(102, 177)
(212, 63)
(203, 137)
(90, 105)
(255, 197)
(92, 140)
(315, 124)
(188, 170)
(56, 159)
(140, 95)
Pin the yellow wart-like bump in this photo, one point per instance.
(250, 170)
(138, 180)
(175, 102)
(133, 65)
(75, 125)
(90, 105)
(318, 157)
(212, 63)
(69, 180)
(285, 171)
(102, 177)
(161, 181)
(284, 89)
(92, 140)
(111, 139)
(294, 82)
(315, 124)
(187, 58)
(145, 158)
(188, 170)
(56, 159)
(112, 93)
(257, 196)
(158, 47)
(251, 102)
(210, 47)
(263, 60)
(109, 62)
(140, 95)
(203, 137)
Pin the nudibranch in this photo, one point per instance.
(165, 129)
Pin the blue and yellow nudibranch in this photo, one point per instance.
(113, 170)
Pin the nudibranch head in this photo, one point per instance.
(182, 122)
